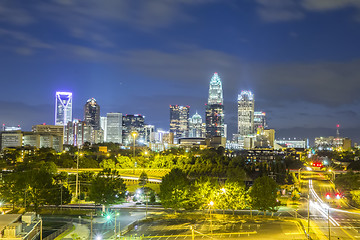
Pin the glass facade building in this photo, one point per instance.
(92, 114)
(215, 109)
(114, 127)
(179, 120)
(63, 108)
(245, 113)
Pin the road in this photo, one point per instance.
(329, 215)
(101, 225)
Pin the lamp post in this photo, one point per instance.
(223, 190)
(210, 205)
(329, 222)
(77, 173)
(333, 173)
(134, 135)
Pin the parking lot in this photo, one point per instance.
(178, 228)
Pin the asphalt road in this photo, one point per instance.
(221, 229)
(329, 215)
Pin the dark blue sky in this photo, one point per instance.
(301, 58)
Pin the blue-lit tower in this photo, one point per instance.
(63, 108)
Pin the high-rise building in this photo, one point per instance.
(48, 129)
(133, 123)
(77, 133)
(196, 126)
(92, 114)
(114, 127)
(245, 113)
(179, 120)
(215, 109)
(63, 108)
(149, 133)
(10, 128)
(259, 120)
(103, 122)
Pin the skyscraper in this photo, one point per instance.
(259, 120)
(92, 113)
(245, 113)
(179, 120)
(114, 127)
(215, 109)
(103, 122)
(63, 108)
(133, 123)
(196, 129)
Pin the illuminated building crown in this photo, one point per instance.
(215, 90)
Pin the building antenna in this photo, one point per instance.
(337, 131)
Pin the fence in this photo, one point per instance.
(58, 232)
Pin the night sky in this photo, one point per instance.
(300, 58)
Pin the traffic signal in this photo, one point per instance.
(327, 196)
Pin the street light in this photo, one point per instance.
(134, 135)
(333, 173)
(77, 173)
(210, 205)
(223, 191)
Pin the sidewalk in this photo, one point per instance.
(81, 232)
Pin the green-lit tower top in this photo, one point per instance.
(215, 90)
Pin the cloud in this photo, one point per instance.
(279, 10)
(327, 5)
(14, 14)
(22, 43)
(287, 10)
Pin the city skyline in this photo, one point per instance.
(301, 68)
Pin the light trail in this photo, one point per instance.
(320, 205)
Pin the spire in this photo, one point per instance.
(215, 90)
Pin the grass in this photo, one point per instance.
(61, 236)
(153, 186)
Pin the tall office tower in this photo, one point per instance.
(215, 109)
(103, 121)
(196, 126)
(77, 133)
(179, 120)
(114, 127)
(92, 114)
(63, 108)
(149, 133)
(133, 123)
(259, 120)
(245, 113)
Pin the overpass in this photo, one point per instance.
(129, 175)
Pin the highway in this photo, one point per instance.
(329, 213)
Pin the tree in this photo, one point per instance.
(233, 196)
(236, 175)
(107, 188)
(174, 189)
(205, 192)
(143, 179)
(12, 190)
(264, 194)
(107, 164)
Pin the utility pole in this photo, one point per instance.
(115, 226)
(329, 222)
(61, 199)
(91, 226)
(41, 229)
(309, 214)
(77, 173)
(192, 232)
